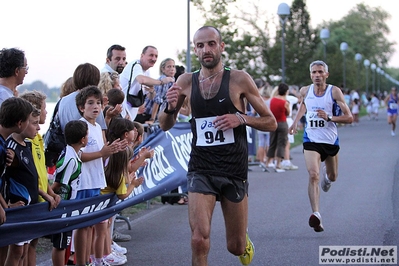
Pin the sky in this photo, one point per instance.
(57, 36)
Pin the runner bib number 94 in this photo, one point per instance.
(208, 135)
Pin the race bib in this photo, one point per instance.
(314, 121)
(393, 106)
(208, 135)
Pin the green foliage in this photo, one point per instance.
(249, 45)
(52, 94)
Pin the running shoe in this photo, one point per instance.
(248, 255)
(118, 248)
(325, 182)
(315, 222)
(119, 237)
(392, 133)
(115, 259)
(289, 166)
(279, 170)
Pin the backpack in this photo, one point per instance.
(54, 139)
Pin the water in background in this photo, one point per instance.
(50, 109)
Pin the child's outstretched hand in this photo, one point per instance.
(146, 152)
(134, 180)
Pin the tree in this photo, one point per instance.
(364, 29)
(300, 45)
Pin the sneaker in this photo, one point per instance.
(271, 165)
(115, 259)
(118, 248)
(248, 255)
(279, 170)
(102, 263)
(119, 237)
(325, 182)
(289, 166)
(315, 222)
(392, 133)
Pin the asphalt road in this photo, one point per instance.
(361, 209)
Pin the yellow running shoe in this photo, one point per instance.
(248, 255)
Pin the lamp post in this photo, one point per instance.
(366, 64)
(358, 58)
(324, 36)
(378, 77)
(344, 47)
(188, 55)
(283, 11)
(373, 67)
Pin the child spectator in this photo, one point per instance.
(115, 99)
(89, 103)
(14, 115)
(22, 180)
(38, 101)
(66, 181)
(121, 180)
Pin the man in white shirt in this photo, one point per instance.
(116, 59)
(139, 76)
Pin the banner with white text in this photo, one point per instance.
(163, 173)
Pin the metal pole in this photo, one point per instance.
(344, 71)
(358, 75)
(373, 80)
(367, 81)
(282, 54)
(324, 51)
(188, 55)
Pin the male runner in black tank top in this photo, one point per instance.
(217, 169)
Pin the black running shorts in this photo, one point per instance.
(233, 189)
(323, 149)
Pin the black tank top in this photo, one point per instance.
(229, 160)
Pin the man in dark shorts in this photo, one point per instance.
(320, 138)
(218, 166)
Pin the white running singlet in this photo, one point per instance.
(317, 129)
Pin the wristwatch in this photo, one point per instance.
(329, 117)
(166, 111)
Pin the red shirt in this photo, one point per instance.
(277, 106)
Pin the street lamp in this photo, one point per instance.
(366, 64)
(283, 11)
(373, 67)
(358, 58)
(324, 36)
(378, 77)
(344, 47)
